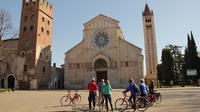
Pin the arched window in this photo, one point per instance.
(32, 17)
(47, 32)
(42, 29)
(24, 29)
(42, 19)
(31, 27)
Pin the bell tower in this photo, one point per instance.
(150, 45)
(35, 43)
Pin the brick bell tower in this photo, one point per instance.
(150, 45)
(35, 43)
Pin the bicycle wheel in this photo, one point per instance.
(141, 104)
(158, 98)
(65, 100)
(77, 100)
(149, 101)
(121, 104)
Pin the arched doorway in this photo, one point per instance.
(11, 81)
(2, 83)
(100, 66)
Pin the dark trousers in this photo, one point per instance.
(108, 97)
(144, 99)
(91, 99)
(133, 100)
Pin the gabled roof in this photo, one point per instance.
(130, 44)
(100, 16)
(147, 11)
(74, 47)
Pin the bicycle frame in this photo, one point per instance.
(69, 96)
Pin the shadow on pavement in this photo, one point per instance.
(76, 108)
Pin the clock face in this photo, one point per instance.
(101, 40)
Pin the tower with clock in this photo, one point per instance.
(103, 54)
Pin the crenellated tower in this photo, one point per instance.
(150, 45)
(35, 43)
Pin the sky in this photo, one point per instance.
(173, 20)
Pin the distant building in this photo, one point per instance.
(57, 77)
(104, 54)
(26, 62)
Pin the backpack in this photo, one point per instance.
(136, 88)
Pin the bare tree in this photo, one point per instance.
(6, 29)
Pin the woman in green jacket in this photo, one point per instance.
(107, 94)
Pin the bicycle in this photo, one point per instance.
(121, 104)
(68, 99)
(100, 102)
(155, 98)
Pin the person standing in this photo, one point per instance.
(100, 87)
(92, 87)
(134, 92)
(107, 94)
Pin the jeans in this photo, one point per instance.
(133, 100)
(108, 97)
(91, 99)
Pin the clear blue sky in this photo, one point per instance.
(173, 20)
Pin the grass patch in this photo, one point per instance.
(5, 90)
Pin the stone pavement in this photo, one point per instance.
(174, 100)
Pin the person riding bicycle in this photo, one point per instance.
(151, 89)
(100, 87)
(92, 87)
(143, 89)
(134, 92)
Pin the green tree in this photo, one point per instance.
(167, 65)
(178, 61)
(191, 58)
(159, 72)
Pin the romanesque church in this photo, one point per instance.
(104, 54)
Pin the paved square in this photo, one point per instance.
(173, 100)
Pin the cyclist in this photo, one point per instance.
(134, 93)
(107, 94)
(151, 89)
(143, 90)
(92, 87)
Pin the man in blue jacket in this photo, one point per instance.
(134, 93)
(143, 88)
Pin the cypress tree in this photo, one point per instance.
(167, 66)
(191, 57)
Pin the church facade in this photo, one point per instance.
(103, 54)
